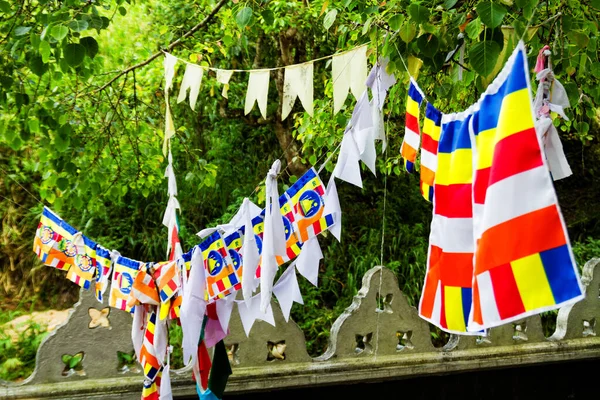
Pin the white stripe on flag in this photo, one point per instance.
(411, 138)
(517, 195)
(489, 311)
(436, 314)
(453, 235)
(429, 160)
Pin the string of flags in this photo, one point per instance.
(498, 249)
(349, 70)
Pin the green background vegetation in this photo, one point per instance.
(94, 156)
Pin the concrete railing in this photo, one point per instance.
(378, 337)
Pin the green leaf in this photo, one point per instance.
(581, 39)
(22, 30)
(62, 183)
(595, 4)
(243, 17)
(5, 6)
(490, 13)
(74, 54)
(96, 22)
(66, 358)
(408, 31)
(395, 22)
(418, 13)
(59, 32)
(78, 25)
(91, 46)
(428, 44)
(122, 11)
(329, 18)
(473, 28)
(366, 26)
(448, 4)
(269, 17)
(37, 66)
(45, 51)
(483, 57)
(34, 125)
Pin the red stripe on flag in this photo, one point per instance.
(453, 201)
(480, 185)
(412, 123)
(506, 292)
(431, 282)
(516, 153)
(220, 285)
(429, 144)
(456, 269)
(317, 227)
(519, 237)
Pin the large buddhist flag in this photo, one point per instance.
(412, 136)
(523, 261)
(429, 148)
(446, 298)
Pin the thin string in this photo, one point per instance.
(383, 226)
(22, 187)
(268, 69)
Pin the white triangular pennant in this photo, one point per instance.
(308, 260)
(224, 307)
(258, 91)
(223, 76)
(287, 291)
(193, 308)
(349, 71)
(332, 206)
(273, 236)
(249, 253)
(348, 167)
(192, 79)
(169, 66)
(298, 82)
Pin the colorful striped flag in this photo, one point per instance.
(410, 144)
(54, 241)
(103, 268)
(148, 360)
(83, 269)
(446, 298)
(523, 262)
(124, 273)
(143, 290)
(429, 148)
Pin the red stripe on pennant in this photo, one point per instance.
(514, 154)
(220, 285)
(412, 123)
(429, 144)
(317, 227)
(506, 292)
(443, 322)
(431, 282)
(456, 269)
(453, 201)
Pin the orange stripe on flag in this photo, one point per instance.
(519, 237)
(431, 282)
(456, 269)
(427, 175)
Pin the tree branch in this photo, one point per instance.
(170, 47)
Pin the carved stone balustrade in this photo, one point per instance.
(379, 337)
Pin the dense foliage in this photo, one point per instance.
(93, 153)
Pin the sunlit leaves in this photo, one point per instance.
(418, 13)
(78, 25)
(59, 32)
(329, 18)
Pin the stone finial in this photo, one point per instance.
(378, 322)
(527, 330)
(579, 320)
(85, 346)
(266, 345)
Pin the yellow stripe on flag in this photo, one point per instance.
(486, 142)
(532, 282)
(412, 107)
(454, 168)
(55, 227)
(454, 308)
(515, 114)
